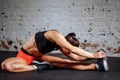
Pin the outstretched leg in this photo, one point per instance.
(76, 66)
(101, 64)
(66, 63)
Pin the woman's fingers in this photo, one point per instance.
(100, 54)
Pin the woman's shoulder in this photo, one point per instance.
(52, 34)
(53, 30)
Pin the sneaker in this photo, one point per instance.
(41, 65)
(102, 64)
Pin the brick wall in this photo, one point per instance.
(96, 22)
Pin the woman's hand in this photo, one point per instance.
(100, 54)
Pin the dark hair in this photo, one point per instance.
(71, 38)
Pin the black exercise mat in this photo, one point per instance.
(62, 74)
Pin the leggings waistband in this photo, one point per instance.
(26, 52)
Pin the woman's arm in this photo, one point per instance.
(62, 42)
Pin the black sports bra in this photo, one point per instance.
(43, 44)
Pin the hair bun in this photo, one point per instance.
(72, 34)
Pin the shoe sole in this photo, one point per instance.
(105, 64)
(37, 62)
(40, 62)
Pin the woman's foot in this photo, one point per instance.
(41, 65)
(102, 64)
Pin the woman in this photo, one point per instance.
(43, 42)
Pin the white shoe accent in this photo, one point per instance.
(40, 62)
(105, 64)
(37, 62)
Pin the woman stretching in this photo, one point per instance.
(44, 42)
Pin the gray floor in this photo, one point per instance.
(62, 74)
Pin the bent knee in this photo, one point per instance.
(7, 66)
(2, 66)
